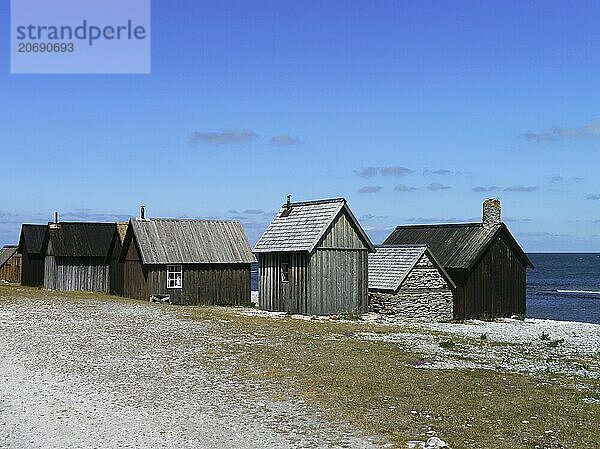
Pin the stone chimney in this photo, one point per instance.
(491, 213)
(142, 212)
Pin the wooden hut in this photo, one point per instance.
(10, 264)
(407, 281)
(483, 259)
(313, 260)
(189, 262)
(116, 266)
(30, 248)
(76, 256)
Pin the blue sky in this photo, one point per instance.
(413, 111)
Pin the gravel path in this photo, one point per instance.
(82, 373)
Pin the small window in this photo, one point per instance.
(285, 272)
(174, 276)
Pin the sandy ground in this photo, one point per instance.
(89, 373)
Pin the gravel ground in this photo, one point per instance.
(524, 346)
(82, 373)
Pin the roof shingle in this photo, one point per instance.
(32, 238)
(301, 227)
(6, 253)
(166, 241)
(454, 245)
(389, 265)
(80, 239)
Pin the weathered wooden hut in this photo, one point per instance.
(407, 281)
(483, 259)
(10, 264)
(76, 256)
(116, 267)
(30, 248)
(313, 260)
(189, 262)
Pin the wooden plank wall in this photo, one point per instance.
(338, 282)
(342, 234)
(32, 270)
(11, 270)
(338, 272)
(135, 283)
(333, 279)
(89, 274)
(279, 296)
(496, 287)
(116, 270)
(204, 284)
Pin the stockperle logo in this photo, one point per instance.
(80, 36)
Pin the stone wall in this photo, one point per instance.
(424, 295)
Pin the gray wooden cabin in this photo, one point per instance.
(313, 260)
(407, 281)
(116, 267)
(483, 259)
(10, 264)
(30, 248)
(76, 256)
(192, 262)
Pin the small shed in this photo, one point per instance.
(10, 264)
(30, 248)
(313, 260)
(189, 262)
(407, 281)
(483, 259)
(76, 256)
(116, 266)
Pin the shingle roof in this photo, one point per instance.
(32, 238)
(389, 265)
(302, 227)
(6, 253)
(166, 241)
(455, 245)
(79, 239)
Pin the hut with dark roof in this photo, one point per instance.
(76, 256)
(116, 266)
(10, 264)
(313, 260)
(189, 262)
(483, 259)
(30, 248)
(407, 281)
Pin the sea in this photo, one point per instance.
(563, 286)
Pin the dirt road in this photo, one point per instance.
(90, 372)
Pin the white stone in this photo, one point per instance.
(435, 443)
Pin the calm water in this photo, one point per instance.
(562, 287)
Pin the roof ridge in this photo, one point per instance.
(137, 220)
(315, 202)
(10, 246)
(401, 245)
(436, 225)
(107, 223)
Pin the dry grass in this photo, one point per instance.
(378, 387)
